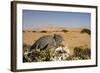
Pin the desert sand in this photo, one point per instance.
(73, 38)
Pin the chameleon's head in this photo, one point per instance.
(58, 39)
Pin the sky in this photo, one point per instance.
(35, 19)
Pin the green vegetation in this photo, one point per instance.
(37, 55)
(86, 31)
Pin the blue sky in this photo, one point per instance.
(34, 19)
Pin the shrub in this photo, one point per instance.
(87, 53)
(77, 51)
(37, 55)
(81, 53)
(86, 31)
(43, 31)
(64, 30)
(24, 31)
(33, 31)
(40, 55)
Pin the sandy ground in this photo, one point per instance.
(73, 38)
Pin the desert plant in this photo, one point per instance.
(34, 31)
(87, 52)
(86, 31)
(38, 55)
(24, 31)
(77, 51)
(43, 31)
(81, 53)
(64, 30)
